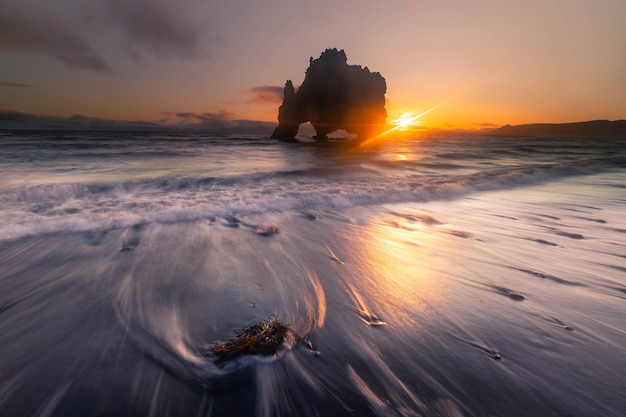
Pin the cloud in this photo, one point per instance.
(267, 94)
(10, 84)
(156, 26)
(85, 35)
(46, 35)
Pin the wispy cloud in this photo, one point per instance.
(45, 34)
(269, 94)
(18, 85)
(156, 26)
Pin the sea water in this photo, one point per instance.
(437, 276)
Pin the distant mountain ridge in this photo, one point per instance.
(590, 129)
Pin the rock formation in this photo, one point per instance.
(333, 95)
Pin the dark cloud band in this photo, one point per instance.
(221, 122)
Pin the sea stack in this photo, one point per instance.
(333, 96)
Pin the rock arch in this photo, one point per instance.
(333, 96)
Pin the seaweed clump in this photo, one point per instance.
(262, 338)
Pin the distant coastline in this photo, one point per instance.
(590, 129)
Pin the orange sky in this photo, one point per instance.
(490, 62)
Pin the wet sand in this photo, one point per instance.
(505, 303)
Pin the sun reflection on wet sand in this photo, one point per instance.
(314, 308)
(399, 273)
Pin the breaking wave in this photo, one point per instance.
(49, 208)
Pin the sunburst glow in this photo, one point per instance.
(408, 120)
(405, 121)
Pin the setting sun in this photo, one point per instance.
(405, 121)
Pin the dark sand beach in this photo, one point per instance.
(414, 289)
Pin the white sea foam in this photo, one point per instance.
(50, 208)
(73, 185)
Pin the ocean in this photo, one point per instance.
(420, 276)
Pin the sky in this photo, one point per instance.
(473, 64)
